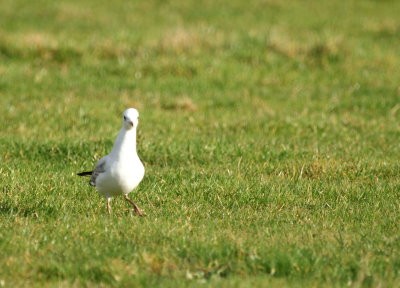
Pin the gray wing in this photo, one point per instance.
(100, 168)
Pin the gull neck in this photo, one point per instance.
(125, 144)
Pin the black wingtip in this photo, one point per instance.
(86, 173)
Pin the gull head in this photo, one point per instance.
(130, 118)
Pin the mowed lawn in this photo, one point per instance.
(269, 131)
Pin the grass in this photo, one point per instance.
(269, 131)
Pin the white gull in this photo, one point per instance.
(121, 171)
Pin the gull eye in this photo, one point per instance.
(125, 118)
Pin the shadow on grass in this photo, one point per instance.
(58, 272)
(24, 210)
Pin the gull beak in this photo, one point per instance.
(131, 123)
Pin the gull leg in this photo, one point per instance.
(109, 206)
(137, 210)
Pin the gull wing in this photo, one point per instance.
(100, 168)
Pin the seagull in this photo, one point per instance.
(121, 171)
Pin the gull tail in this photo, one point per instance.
(86, 173)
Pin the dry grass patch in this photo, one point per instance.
(38, 46)
(313, 48)
(193, 39)
(387, 27)
(183, 103)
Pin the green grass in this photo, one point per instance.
(269, 131)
